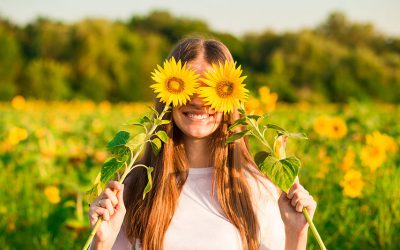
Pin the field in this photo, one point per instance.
(50, 153)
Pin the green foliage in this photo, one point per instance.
(47, 79)
(110, 167)
(117, 146)
(281, 172)
(98, 59)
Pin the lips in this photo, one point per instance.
(197, 115)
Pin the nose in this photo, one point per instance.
(197, 101)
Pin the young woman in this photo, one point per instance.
(206, 194)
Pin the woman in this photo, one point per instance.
(206, 194)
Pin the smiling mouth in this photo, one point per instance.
(197, 116)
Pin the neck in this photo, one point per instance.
(198, 152)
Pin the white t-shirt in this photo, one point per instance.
(199, 223)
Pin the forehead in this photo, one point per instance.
(199, 65)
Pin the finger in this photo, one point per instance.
(310, 204)
(114, 185)
(111, 195)
(300, 205)
(296, 188)
(120, 196)
(297, 196)
(96, 213)
(293, 189)
(108, 205)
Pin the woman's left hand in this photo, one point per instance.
(291, 206)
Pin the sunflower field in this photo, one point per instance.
(51, 152)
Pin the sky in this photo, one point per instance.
(237, 17)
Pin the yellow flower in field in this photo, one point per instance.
(268, 99)
(16, 135)
(330, 127)
(337, 128)
(174, 83)
(352, 184)
(253, 105)
(372, 156)
(53, 194)
(105, 106)
(348, 159)
(224, 90)
(382, 140)
(18, 102)
(321, 124)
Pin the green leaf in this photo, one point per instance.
(159, 122)
(297, 135)
(93, 193)
(237, 136)
(259, 157)
(117, 145)
(145, 119)
(254, 117)
(156, 146)
(241, 111)
(153, 110)
(273, 126)
(149, 182)
(110, 167)
(136, 141)
(162, 135)
(281, 172)
(241, 121)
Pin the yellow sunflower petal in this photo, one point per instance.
(174, 83)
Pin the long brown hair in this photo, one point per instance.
(148, 219)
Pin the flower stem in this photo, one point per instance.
(314, 229)
(149, 133)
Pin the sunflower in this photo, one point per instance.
(174, 83)
(224, 90)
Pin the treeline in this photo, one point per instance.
(98, 59)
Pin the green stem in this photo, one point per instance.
(126, 172)
(314, 229)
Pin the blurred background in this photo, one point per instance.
(72, 73)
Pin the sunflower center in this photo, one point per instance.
(175, 85)
(224, 89)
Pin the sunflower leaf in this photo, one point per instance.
(158, 122)
(237, 136)
(241, 121)
(254, 117)
(156, 146)
(117, 146)
(281, 172)
(297, 135)
(149, 182)
(162, 135)
(155, 112)
(136, 141)
(260, 156)
(110, 167)
(275, 127)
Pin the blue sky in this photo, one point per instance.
(232, 16)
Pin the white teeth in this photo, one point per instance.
(198, 117)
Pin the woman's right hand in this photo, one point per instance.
(110, 206)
